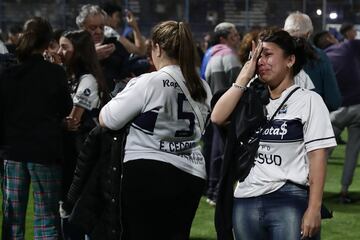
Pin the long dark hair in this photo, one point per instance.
(36, 36)
(84, 60)
(176, 40)
(290, 46)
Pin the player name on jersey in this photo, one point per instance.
(168, 83)
(176, 146)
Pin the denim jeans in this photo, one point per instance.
(276, 216)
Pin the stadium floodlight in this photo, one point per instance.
(333, 15)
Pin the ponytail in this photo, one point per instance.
(26, 45)
(36, 36)
(176, 40)
(187, 57)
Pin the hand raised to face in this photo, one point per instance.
(105, 50)
(249, 69)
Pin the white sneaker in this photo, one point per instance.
(211, 202)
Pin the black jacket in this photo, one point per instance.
(115, 67)
(246, 118)
(34, 99)
(94, 196)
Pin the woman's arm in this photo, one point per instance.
(226, 104)
(86, 98)
(101, 121)
(128, 104)
(317, 171)
(139, 47)
(73, 120)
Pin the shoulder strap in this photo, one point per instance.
(180, 81)
(283, 102)
(278, 109)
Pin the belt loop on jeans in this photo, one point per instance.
(298, 185)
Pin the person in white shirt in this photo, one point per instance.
(87, 82)
(89, 93)
(273, 202)
(164, 170)
(3, 49)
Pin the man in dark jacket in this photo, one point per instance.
(345, 59)
(319, 69)
(112, 54)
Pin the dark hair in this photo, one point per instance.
(320, 39)
(15, 29)
(37, 34)
(111, 8)
(57, 34)
(308, 49)
(290, 46)
(346, 27)
(211, 42)
(176, 40)
(84, 60)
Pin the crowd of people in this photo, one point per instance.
(120, 136)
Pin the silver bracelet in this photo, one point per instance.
(239, 87)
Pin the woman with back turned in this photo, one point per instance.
(164, 170)
(34, 100)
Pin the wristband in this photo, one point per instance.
(239, 86)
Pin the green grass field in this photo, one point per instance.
(344, 226)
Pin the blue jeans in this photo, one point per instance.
(276, 216)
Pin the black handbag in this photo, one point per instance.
(245, 152)
(244, 156)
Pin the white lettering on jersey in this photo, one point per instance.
(274, 131)
(176, 146)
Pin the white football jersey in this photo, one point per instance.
(164, 126)
(303, 80)
(109, 32)
(301, 125)
(87, 94)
